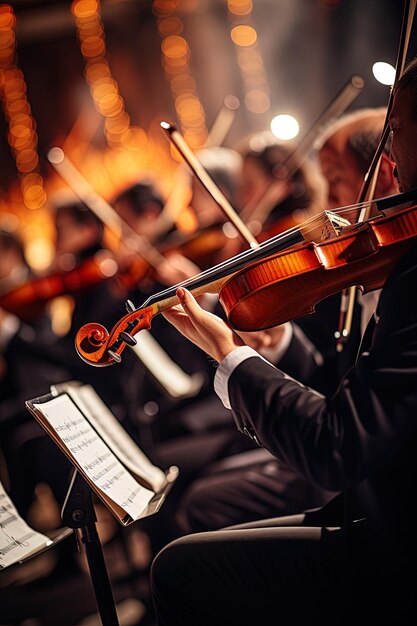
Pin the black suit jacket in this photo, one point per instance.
(363, 439)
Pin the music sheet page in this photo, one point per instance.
(115, 435)
(94, 456)
(17, 539)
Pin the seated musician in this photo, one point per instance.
(261, 485)
(353, 558)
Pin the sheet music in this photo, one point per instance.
(94, 456)
(114, 434)
(17, 539)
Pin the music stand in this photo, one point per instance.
(78, 513)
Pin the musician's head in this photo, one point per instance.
(265, 161)
(345, 152)
(139, 205)
(79, 232)
(403, 125)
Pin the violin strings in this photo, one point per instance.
(312, 222)
(229, 263)
(224, 265)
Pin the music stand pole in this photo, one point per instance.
(78, 513)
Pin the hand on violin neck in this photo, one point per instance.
(210, 333)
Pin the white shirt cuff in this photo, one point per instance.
(226, 368)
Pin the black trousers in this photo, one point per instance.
(285, 571)
(245, 487)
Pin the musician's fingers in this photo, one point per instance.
(191, 306)
(178, 318)
(206, 330)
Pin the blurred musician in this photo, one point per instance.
(278, 191)
(27, 368)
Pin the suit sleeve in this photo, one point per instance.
(336, 441)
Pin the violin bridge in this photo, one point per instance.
(333, 225)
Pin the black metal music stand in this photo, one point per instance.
(78, 513)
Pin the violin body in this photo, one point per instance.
(289, 284)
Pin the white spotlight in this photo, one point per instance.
(384, 73)
(285, 127)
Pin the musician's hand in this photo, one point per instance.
(206, 330)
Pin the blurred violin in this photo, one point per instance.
(283, 278)
(27, 301)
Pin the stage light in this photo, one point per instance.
(284, 127)
(384, 73)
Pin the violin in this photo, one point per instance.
(27, 300)
(281, 279)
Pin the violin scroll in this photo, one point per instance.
(97, 347)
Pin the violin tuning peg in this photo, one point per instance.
(130, 307)
(116, 357)
(131, 341)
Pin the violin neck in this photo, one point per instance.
(211, 280)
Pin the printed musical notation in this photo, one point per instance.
(17, 539)
(93, 456)
(103, 420)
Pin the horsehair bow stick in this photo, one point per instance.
(348, 94)
(102, 209)
(208, 183)
(179, 194)
(347, 301)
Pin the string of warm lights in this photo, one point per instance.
(103, 87)
(22, 136)
(176, 56)
(249, 59)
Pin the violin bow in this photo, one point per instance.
(274, 193)
(347, 302)
(102, 209)
(208, 183)
(223, 121)
(180, 193)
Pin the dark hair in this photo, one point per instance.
(272, 159)
(10, 241)
(79, 213)
(408, 80)
(224, 166)
(138, 196)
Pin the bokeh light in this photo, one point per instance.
(384, 72)
(284, 127)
